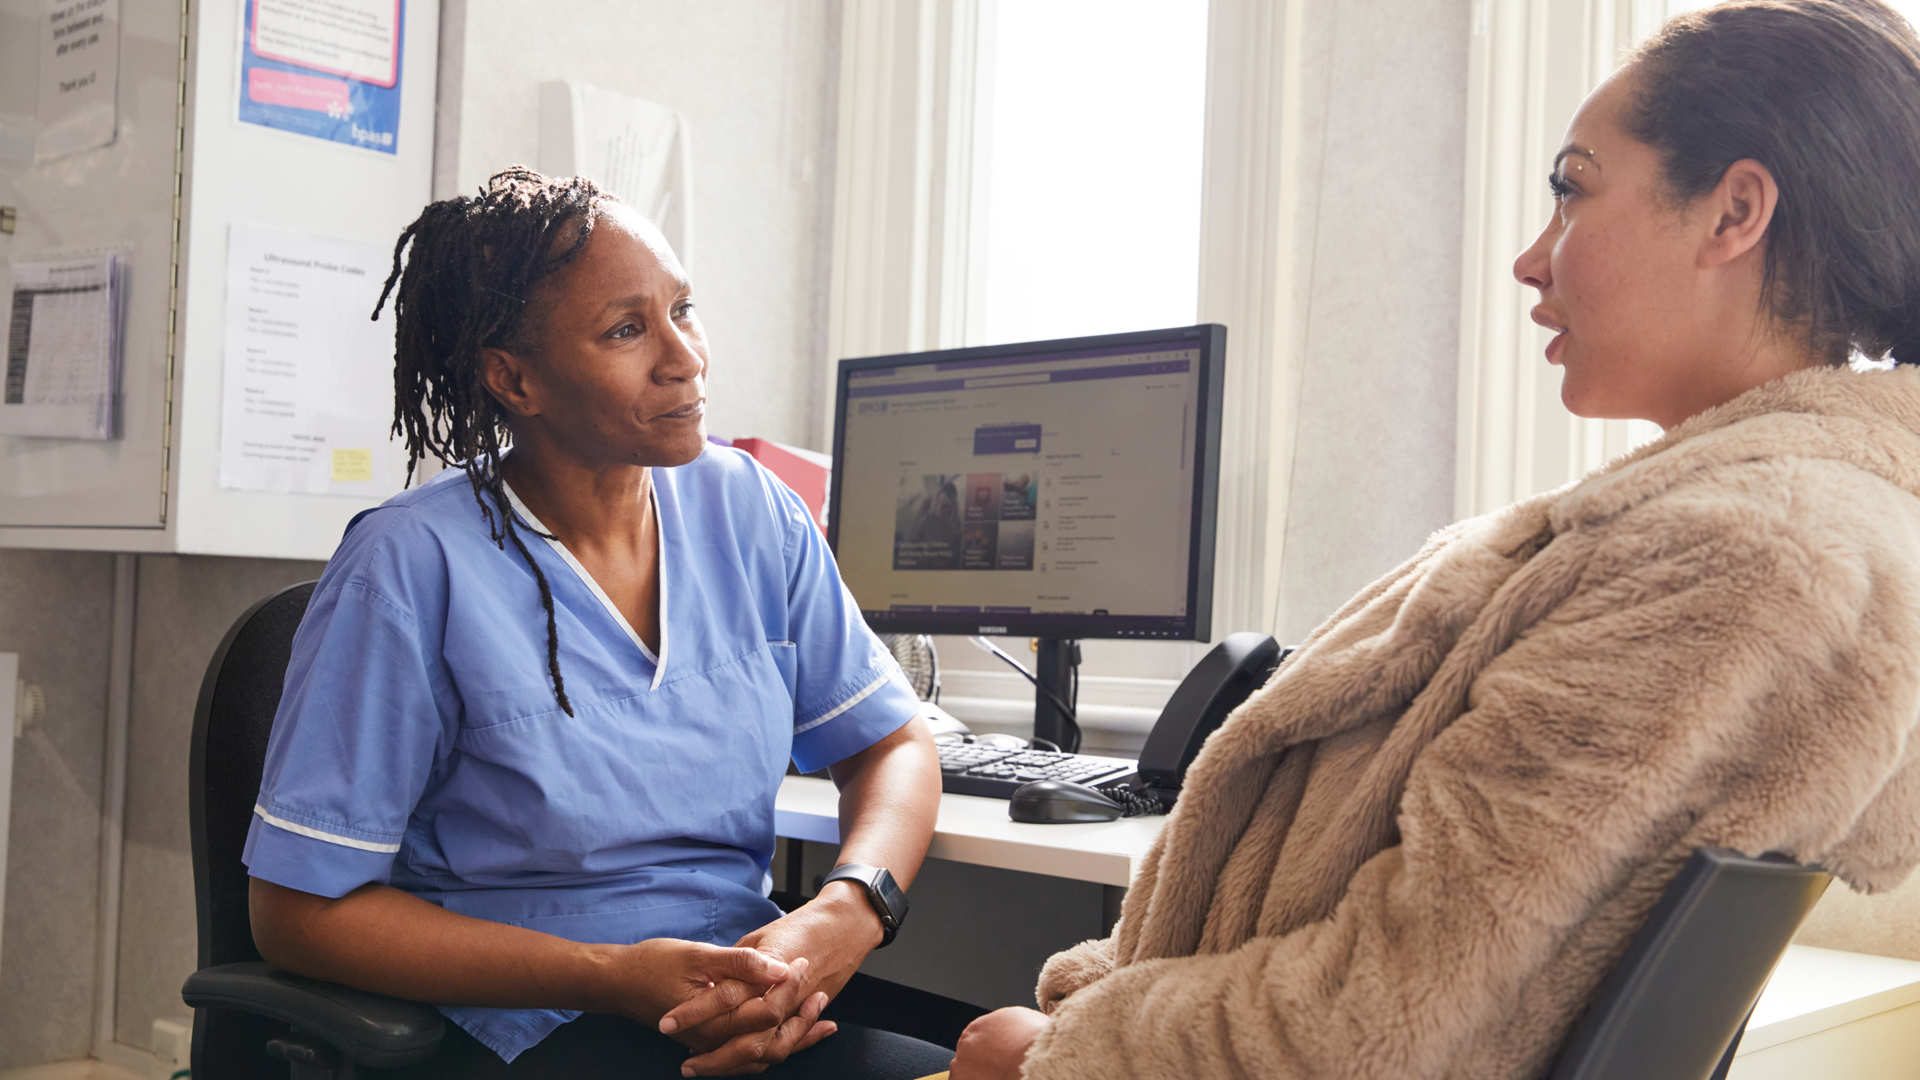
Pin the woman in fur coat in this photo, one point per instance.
(1418, 849)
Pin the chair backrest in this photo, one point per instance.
(231, 722)
(1675, 1006)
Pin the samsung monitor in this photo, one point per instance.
(1053, 489)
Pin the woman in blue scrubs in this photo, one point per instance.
(539, 707)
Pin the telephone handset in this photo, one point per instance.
(1229, 674)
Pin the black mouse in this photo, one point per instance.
(1057, 802)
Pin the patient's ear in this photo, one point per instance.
(509, 378)
(1738, 211)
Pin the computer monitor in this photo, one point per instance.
(1053, 489)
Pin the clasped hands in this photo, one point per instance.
(744, 1009)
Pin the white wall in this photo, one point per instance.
(756, 80)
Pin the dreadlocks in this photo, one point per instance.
(465, 287)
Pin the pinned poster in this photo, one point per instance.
(328, 69)
(79, 73)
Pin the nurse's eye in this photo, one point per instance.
(625, 330)
(683, 309)
(1560, 187)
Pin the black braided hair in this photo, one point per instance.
(475, 261)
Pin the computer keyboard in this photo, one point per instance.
(976, 769)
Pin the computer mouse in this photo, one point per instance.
(1058, 802)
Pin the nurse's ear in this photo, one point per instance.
(509, 378)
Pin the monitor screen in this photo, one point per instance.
(1049, 489)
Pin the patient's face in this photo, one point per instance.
(1617, 275)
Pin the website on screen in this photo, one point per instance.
(1059, 484)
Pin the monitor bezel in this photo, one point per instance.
(1198, 624)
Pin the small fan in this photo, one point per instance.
(917, 660)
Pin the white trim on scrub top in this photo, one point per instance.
(660, 548)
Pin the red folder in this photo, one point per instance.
(805, 471)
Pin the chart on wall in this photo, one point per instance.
(327, 69)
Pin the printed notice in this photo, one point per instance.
(79, 72)
(329, 69)
(306, 383)
(62, 376)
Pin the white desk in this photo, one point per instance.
(976, 831)
(1828, 1013)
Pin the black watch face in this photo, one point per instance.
(889, 890)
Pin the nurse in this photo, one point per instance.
(537, 712)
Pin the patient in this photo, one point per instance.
(1417, 851)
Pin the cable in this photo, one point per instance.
(1134, 800)
(1059, 703)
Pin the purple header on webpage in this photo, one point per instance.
(1007, 439)
(1051, 357)
(1111, 371)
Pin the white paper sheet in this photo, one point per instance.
(639, 150)
(307, 387)
(62, 373)
(79, 73)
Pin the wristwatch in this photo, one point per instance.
(888, 900)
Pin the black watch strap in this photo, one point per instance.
(888, 899)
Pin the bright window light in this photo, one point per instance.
(1088, 189)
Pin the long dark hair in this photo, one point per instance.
(1826, 95)
(465, 288)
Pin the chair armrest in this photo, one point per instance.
(368, 1029)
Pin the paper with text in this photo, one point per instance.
(62, 376)
(79, 74)
(307, 384)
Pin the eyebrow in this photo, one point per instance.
(636, 299)
(1570, 149)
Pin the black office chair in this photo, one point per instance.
(1676, 1005)
(246, 1014)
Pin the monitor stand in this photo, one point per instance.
(1054, 669)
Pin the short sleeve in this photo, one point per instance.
(359, 728)
(848, 691)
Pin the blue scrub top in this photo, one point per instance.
(419, 742)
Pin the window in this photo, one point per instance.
(1089, 121)
(986, 148)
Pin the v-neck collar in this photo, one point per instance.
(660, 547)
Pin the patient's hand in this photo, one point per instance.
(994, 1046)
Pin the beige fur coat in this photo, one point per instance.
(1418, 849)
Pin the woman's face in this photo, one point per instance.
(618, 367)
(1618, 275)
